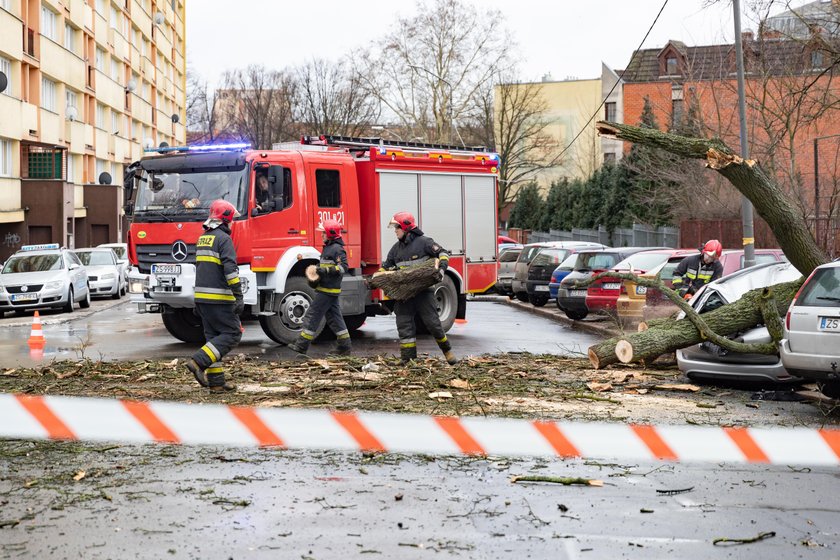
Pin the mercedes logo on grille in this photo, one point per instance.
(24, 288)
(179, 251)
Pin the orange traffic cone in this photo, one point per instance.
(36, 337)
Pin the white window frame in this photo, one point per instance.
(115, 123)
(6, 68)
(69, 38)
(71, 168)
(71, 99)
(100, 60)
(6, 5)
(100, 7)
(48, 89)
(115, 18)
(115, 70)
(100, 116)
(49, 21)
(6, 167)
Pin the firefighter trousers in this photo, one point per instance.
(323, 306)
(423, 306)
(222, 332)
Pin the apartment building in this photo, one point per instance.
(90, 83)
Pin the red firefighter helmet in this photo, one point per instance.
(223, 210)
(713, 248)
(331, 227)
(405, 221)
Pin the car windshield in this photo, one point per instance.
(569, 263)
(509, 256)
(548, 257)
(822, 290)
(761, 258)
(94, 258)
(528, 254)
(163, 196)
(33, 263)
(119, 251)
(642, 262)
(594, 261)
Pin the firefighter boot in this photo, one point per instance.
(300, 347)
(408, 353)
(446, 348)
(197, 371)
(217, 383)
(343, 346)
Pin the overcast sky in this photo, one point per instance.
(563, 38)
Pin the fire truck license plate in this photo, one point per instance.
(166, 269)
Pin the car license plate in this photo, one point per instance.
(830, 324)
(577, 293)
(612, 286)
(166, 269)
(24, 297)
(641, 290)
(540, 288)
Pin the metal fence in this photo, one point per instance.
(640, 235)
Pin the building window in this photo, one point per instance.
(115, 18)
(69, 38)
(609, 157)
(101, 167)
(817, 59)
(100, 115)
(6, 68)
(71, 169)
(671, 68)
(6, 5)
(100, 60)
(329, 188)
(676, 111)
(115, 122)
(609, 111)
(48, 19)
(115, 70)
(5, 158)
(100, 7)
(70, 96)
(48, 94)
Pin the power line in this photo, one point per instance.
(620, 78)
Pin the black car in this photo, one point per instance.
(571, 299)
(539, 273)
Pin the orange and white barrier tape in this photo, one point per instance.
(90, 419)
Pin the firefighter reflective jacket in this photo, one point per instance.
(694, 273)
(332, 267)
(413, 249)
(216, 273)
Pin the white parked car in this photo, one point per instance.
(105, 274)
(43, 277)
(811, 346)
(121, 250)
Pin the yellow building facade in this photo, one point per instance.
(90, 83)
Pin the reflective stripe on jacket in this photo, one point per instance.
(332, 267)
(216, 273)
(693, 271)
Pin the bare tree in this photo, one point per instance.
(331, 99)
(257, 104)
(431, 70)
(204, 121)
(521, 137)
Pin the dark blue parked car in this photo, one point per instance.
(559, 273)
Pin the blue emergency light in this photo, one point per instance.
(41, 247)
(201, 148)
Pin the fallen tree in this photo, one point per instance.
(755, 307)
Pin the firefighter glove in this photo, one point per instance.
(239, 306)
(683, 291)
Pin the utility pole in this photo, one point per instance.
(746, 205)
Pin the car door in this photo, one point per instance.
(333, 192)
(76, 272)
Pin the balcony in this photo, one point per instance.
(62, 65)
(74, 134)
(50, 127)
(88, 15)
(28, 118)
(10, 42)
(103, 142)
(77, 13)
(79, 210)
(90, 136)
(141, 109)
(10, 207)
(121, 49)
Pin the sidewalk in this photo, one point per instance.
(50, 317)
(597, 324)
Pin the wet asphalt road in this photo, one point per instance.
(120, 333)
(165, 502)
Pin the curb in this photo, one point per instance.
(58, 319)
(596, 327)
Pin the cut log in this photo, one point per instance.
(728, 319)
(406, 283)
(603, 354)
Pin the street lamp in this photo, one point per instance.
(449, 103)
(817, 183)
(379, 127)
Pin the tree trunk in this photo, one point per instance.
(729, 319)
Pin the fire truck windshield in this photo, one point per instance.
(187, 196)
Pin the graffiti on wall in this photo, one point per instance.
(11, 240)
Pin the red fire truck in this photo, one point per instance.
(361, 182)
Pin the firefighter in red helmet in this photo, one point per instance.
(331, 269)
(697, 270)
(218, 297)
(412, 248)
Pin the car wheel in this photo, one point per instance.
(830, 389)
(116, 294)
(85, 303)
(184, 325)
(122, 290)
(68, 307)
(539, 301)
(576, 315)
(522, 296)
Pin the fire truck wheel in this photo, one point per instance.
(284, 327)
(184, 325)
(355, 322)
(446, 300)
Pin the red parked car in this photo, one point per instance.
(602, 295)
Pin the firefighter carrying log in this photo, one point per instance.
(218, 297)
(411, 249)
(330, 271)
(698, 270)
